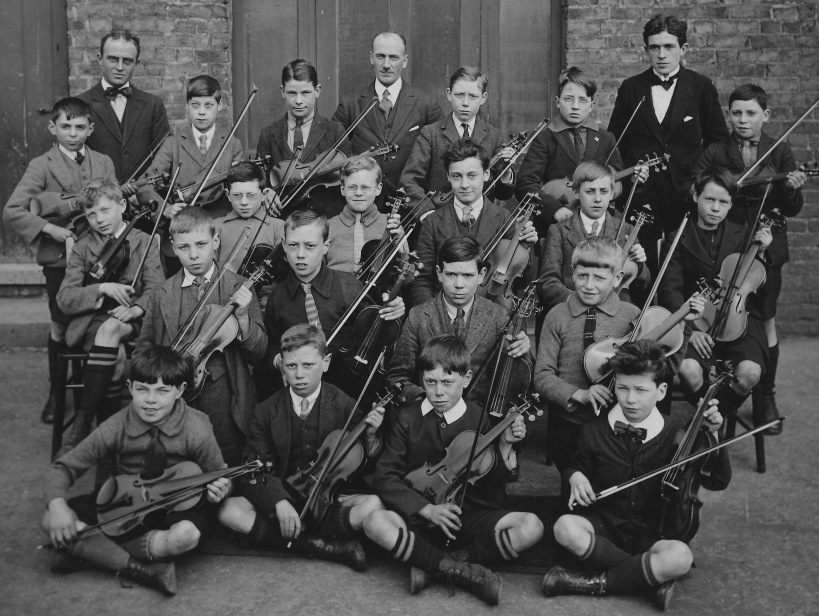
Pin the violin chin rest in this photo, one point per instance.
(107, 492)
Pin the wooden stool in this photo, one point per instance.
(733, 419)
(76, 359)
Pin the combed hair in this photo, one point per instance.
(93, 191)
(203, 85)
(666, 23)
(302, 218)
(447, 352)
(72, 107)
(715, 175)
(398, 34)
(598, 252)
(301, 335)
(125, 35)
(160, 362)
(300, 70)
(362, 162)
(469, 73)
(190, 219)
(578, 76)
(749, 92)
(246, 171)
(641, 357)
(589, 172)
(459, 249)
(461, 150)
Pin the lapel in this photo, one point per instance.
(171, 303)
(133, 108)
(329, 412)
(436, 317)
(370, 120)
(692, 243)
(58, 165)
(448, 129)
(610, 227)
(479, 134)
(102, 106)
(765, 142)
(478, 325)
(683, 93)
(592, 143)
(219, 138)
(643, 86)
(566, 144)
(189, 145)
(574, 231)
(280, 417)
(317, 132)
(403, 108)
(734, 155)
(731, 241)
(280, 135)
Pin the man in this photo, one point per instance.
(128, 121)
(400, 115)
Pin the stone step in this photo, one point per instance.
(24, 321)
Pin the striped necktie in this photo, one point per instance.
(203, 145)
(310, 305)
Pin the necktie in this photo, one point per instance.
(579, 142)
(203, 145)
(79, 158)
(386, 104)
(589, 326)
(200, 283)
(310, 305)
(746, 148)
(468, 219)
(154, 456)
(298, 136)
(666, 84)
(358, 241)
(112, 92)
(305, 408)
(637, 434)
(466, 131)
(595, 228)
(458, 325)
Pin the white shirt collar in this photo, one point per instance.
(477, 208)
(452, 311)
(451, 416)
(653, 424)
(395, 89)
(311, 400)
(197, 134)
(667, 77)
(119, 231)
(189, 278)
(105, 85)
(588, 222)
(470, 124)
(69, 153)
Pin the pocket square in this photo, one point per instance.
(416, 127)
(687, 118)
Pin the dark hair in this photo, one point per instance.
(93, 191)
(362, 162)
(641, 357)
(398, 34)
(301, 335)
(189, 219)
(459, 249)
(577, 76)
(203, 85)
(469, 73)
(125, 35)
(246, 171)
(302, 218)
(749, 92)
(461, 150)
(300, 70)
(447, 352)
(72, 107)
(716, 175)
(666, 23)
(160, 362)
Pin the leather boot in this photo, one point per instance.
(348, 552)
(770, 412)
(420, 579)
(161, 576)
(663, 594)
(559, 581)
(477, 579)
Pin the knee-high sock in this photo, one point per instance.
(262, 535)
(729, 400)
(491, 548)
(100, 551)
(98, 372)
(768, 382)
(412, 549)
(603, 554)
(631, 576)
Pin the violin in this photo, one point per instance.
(745, 274)
(520, 147)
(274, 259)
(507, 258)
(440, 483)
(680, 514)
(337, 468)
(810, 169)
(629, 268)
(374, 252)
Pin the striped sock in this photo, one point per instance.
(631, 576)
(603, 554)
(491, 548)
(412, 549)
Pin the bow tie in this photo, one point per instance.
(635, 432)
(113, 91)
(666, 84)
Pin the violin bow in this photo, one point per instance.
(493, 243)
(225, 143)
(623, 134)
(625, 211)
(538, 129)
(148, 154)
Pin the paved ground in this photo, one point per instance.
(755, 552)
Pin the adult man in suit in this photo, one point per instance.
(680, 117)
(401, 113)
(128, 121)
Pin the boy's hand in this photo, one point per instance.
(272, 201)
(637, 253)
(712, 417)
(241, 299)
(128, 190)
(58, 234)
(218, 490)
(697, 304)
(373, 420)
(641, 174)
(515, 432)
(171, 209)
(393, 310)
(394, 225)
(702, 343)
(507, 153)
(796, 179)
(63, 523)
(597, 396)
(289, 522)
(528, 235)
(582, 491)
(763, 237)
(446, 517)
(126, 315)
(120, 293)
(519, 345)
(562, 214)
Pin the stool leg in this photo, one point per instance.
(730, 425)
(57, 428)
(759, 438)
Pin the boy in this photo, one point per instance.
(302, 126)
(105, 315)
(196, 145)
(287, 429)
(747, 113)
(61, 171)
(593, 187)
(619, 537)
(460, 270)
(360, 221)
(704, 244)
(469, 213)
(228, 394)
(413, 529)
(316, 294)
(156, 431)
(424, 170)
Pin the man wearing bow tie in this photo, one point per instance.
(128, 120)
(680, 116)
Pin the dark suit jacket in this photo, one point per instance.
(323, 134)
(412, 111)
(269, 438)
(144, 121)
(726, 154)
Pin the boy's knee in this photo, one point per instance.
(377, 523)
(187, 535)
(531, 527)
(57, 331)
(690, 371)
(371, 503)
(233, 509)
(680, 558)
(748, 375)
(566, 531)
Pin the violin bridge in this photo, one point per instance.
(361, 360)
(671, 485)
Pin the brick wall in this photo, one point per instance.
(774, 44)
